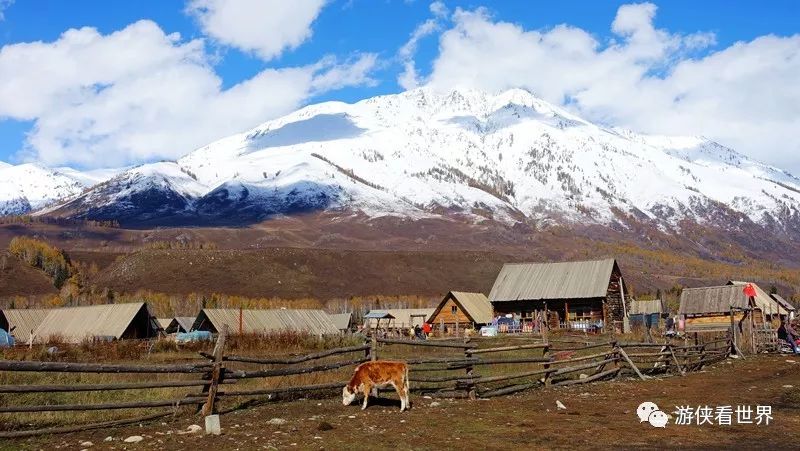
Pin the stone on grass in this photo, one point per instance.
(134, 439)
(87, 444)
(276, 421)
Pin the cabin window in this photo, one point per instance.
(582, 313)
(453, 309)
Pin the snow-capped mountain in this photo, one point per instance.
(29, 186)
(463, 154)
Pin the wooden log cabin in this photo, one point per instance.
(588, 295)
(459, 310)
(709, 309)
(714, 310)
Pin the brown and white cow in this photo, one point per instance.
(378, 374)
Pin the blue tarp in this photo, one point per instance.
(197, 335)
(6, 340)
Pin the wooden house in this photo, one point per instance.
(709, 309)
(717, 309)
(459, 310)
(574, 295)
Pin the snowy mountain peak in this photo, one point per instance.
(465, 154)
(31, 186)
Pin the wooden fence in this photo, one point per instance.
(468, 368)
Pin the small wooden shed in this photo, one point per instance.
(460, 310)
(646, 313)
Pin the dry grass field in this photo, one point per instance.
(597, 416)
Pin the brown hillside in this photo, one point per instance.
(296, 273)
(327, 257)
(19, 279)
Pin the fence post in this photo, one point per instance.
(546, 354)
(613, 344)
(471, 391)
(702, 358)
(630, 362)
(675, 359)
(373, 351)
(368, 351)
(217, 373)
(545, 327)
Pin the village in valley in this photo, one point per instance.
(542, 328)
(399, 224)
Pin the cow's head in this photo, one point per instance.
(348, 395)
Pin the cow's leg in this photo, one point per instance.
(404, 386)
(403, 392)
(400, 395)
(367, 390)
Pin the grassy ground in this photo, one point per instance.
(257, 346)
(142, 353)
(601, 415)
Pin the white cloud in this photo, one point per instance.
(746, 96)
(4, 4)
(140, 94)
(439, 9)
(264, 27)
(409, 79)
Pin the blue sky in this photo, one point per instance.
(372, 32)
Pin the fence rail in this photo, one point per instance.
(438, 367)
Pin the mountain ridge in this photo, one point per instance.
(465, 155)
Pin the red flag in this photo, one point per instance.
(749, 290)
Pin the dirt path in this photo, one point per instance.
(597, 416)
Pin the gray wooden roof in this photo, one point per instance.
(315, 322)
(185, 322)
(475, 305)
(177, 324)
(74, 324)
(646, 307)
(341, 320)
(764, 300)
(401, 317)
(563, 280)
(707, 300)
(23, 321)
(711, 300)
(783, 302)
(378, 314)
